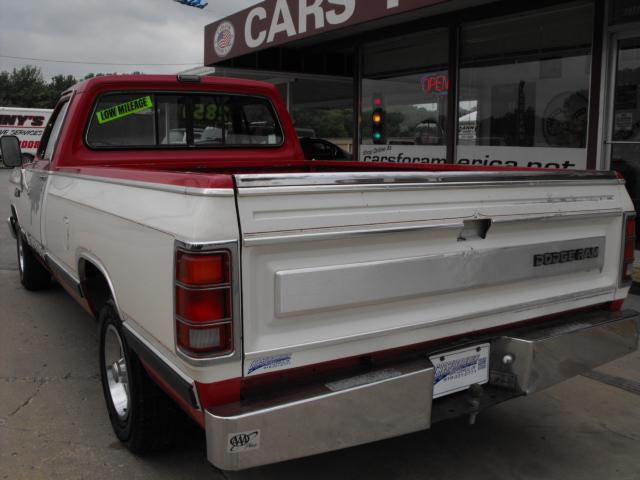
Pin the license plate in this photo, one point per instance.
(457, 370)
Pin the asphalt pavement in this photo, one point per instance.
(54, 425)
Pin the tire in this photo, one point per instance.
(33, 275)
(141, 415)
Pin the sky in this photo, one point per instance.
(117, 31)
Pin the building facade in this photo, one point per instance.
(549, 83)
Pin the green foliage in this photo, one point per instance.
(327, 123)
(25, 87)
(57, 85)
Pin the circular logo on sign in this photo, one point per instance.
(565, 120)
(224, 38)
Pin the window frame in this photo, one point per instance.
(449, 31)
(190, 145)
(453, 21)
(589, 51)
(46, 135)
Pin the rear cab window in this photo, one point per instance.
(169, 120)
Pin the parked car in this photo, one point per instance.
(177, 136)
(305, 132)
(320, 149)
(429, 132)
(293, 307)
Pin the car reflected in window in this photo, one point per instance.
(320, 149)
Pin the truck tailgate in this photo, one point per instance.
(340, 264)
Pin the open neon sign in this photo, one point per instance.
(435, 84)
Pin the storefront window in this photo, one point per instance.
(323, 108)
(405, 88)
(524, 89)
(624, 11)
(625, 125)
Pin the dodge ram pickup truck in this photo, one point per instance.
(293, 307)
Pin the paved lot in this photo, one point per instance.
(7, 246)
(53, 424)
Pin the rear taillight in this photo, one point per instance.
(203, 303)
(628, 247)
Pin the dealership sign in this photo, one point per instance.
(435, 84)
(482, 156)
(25, 124)
(225, 37)
(275, 22)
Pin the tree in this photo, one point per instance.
(5, 88)
(327, 123)
(57, 85)
(27, 88)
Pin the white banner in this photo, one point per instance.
(26, 124)
(532, 157)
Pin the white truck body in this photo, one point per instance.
(338, 265)
(353, 268)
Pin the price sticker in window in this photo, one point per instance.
(124, 109)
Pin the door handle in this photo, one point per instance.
(43, 176)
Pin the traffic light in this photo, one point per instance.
(377, 121)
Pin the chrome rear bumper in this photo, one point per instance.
(398, 400)
(543, 357)
(362, 409)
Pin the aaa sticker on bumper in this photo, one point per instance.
(243, 441)
(124, 109)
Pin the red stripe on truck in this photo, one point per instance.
(196, 415)
(179, 179)
(219, 393)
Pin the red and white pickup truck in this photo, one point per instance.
(293, 307)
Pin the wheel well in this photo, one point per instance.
(14, 225)
(95, 286)
(14, 214)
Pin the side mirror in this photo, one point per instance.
(10, 150)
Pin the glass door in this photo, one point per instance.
(623, 141)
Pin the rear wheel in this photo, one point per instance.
(33, 275)
(141, 415)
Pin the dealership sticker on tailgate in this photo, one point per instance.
(273, 362)
(457, 370)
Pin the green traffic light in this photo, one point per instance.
(377, 136)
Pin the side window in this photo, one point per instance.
(234, 121)
(261, 121)
(172, 120)
(49, 143)
(212, 119)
